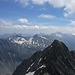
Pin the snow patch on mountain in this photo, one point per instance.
(30, 73)
(20, 40)
(59, 35)
(42, 66)
(30, 40)
(43, 37)
(30, 67)
(39, 60)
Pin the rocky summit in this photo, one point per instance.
(56, 59)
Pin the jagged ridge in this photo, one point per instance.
(54, 60)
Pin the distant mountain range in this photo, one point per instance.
(15, 48)
(44, 40)
(56, 59)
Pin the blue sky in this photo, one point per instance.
(29, 16)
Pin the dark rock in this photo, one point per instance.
(54, 60)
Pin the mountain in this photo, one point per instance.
(36, 40)
(68, 39)
(42, 40)
(56, 59)
(11, 55)
(16, 48)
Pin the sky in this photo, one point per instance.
(37, 16)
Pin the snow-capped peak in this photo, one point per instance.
(18, 40)
(59, 35)
(21, 40)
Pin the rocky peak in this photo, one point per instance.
(54, 60)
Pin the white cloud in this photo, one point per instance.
(72, 23)
(55, 3)
(48, 16)
(69, 8)
(23, 2)
(23, 20)
(3, 22)
(39, 1)
(67, 5)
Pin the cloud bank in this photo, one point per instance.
(25, 28)
(36, 29)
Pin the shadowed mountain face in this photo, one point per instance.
(11, 55)
(54, 60)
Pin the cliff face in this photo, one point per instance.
(54, 60)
